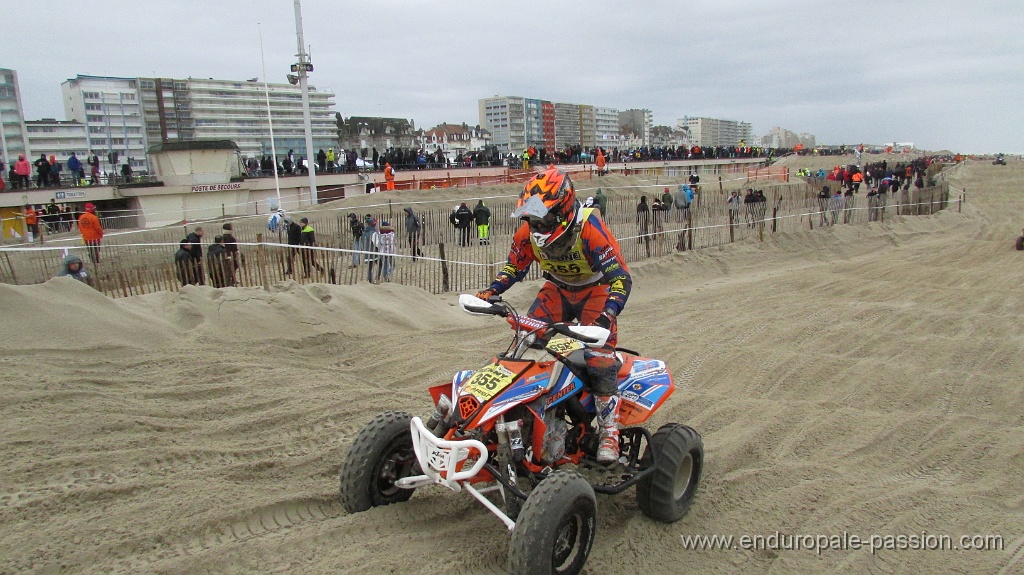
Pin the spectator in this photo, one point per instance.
(369, 248)
(184, 263)
(294, 233)
(748, 207)
(74, 268)
(684, 194)
(734, 202)
(384, 242)
(308, 239)
(356, 227)
(94, 169)
(643, 217)
(482, 217)
(330, 160)
(463, 219)
(666, 202)
(22, 169)
(55, 168)
(222, 272)
(42, 171)
(824, 197)
(126, 172)
(835, 204)
(231, 245)
(413, 228)
(321, 160)
(760, 205)
(31, 223)
(52, 217)
(694, 181)
(195, 240)
(389, 177)
(602, 203)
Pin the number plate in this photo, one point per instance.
(488, 381)
(564, 345)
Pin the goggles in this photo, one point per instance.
(545, 225)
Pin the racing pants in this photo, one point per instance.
(557, 304)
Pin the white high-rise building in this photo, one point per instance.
(505, 118)
(58, 138)
(13, 141)
(637, 122)
(110, 109)
(606, 125)
(711, 132)
(236, 110)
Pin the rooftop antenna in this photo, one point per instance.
(270, 120)
(302, 68)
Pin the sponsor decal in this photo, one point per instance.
(68, 195)
(568, 389)
(632, 396)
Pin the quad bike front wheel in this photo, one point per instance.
(556, 527)
(380, 455)
(666, 494)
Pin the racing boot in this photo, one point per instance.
(608, 423)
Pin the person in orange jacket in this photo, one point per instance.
(389, 177)
(31, 223)
(92, 232)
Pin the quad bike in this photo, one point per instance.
(999, 161)
(518, 435)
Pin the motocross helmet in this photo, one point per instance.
(548, 205)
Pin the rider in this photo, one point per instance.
(587, 280)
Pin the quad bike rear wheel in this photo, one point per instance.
(556, 527)
(380, 455)
(666, 494)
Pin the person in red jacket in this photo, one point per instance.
(92, 232)
(587, 280)
(22, 169)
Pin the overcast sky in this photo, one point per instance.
(940, 73)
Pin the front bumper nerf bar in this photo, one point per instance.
(439, 460)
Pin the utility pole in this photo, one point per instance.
(303, 68)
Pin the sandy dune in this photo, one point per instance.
(861, 379)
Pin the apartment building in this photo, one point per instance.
(588, 127)
(236, 110)
(606, 125)
(567, 125)
(637, 122)
(59, 138)
(516, 123)
(13, 141)
(111, 112)
(711, 132)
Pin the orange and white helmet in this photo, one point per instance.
(548, 204)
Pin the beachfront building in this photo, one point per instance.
(110, 110)
(516, 123)
(606, 125)
(58, 138)
(711, 132)
(453, 139)
(637, 123)
(208, 109)
(364, 133)
(567, 125)
(13, 141)
(779, 137)
(505, 118)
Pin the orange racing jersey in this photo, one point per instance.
(594, 258)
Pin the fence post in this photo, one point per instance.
(261, 258)
(445, 283)
(731, 232)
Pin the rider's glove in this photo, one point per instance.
(486, 294)
(605, 319)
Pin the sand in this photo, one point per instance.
(860, 379)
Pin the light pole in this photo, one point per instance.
(302, 68)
